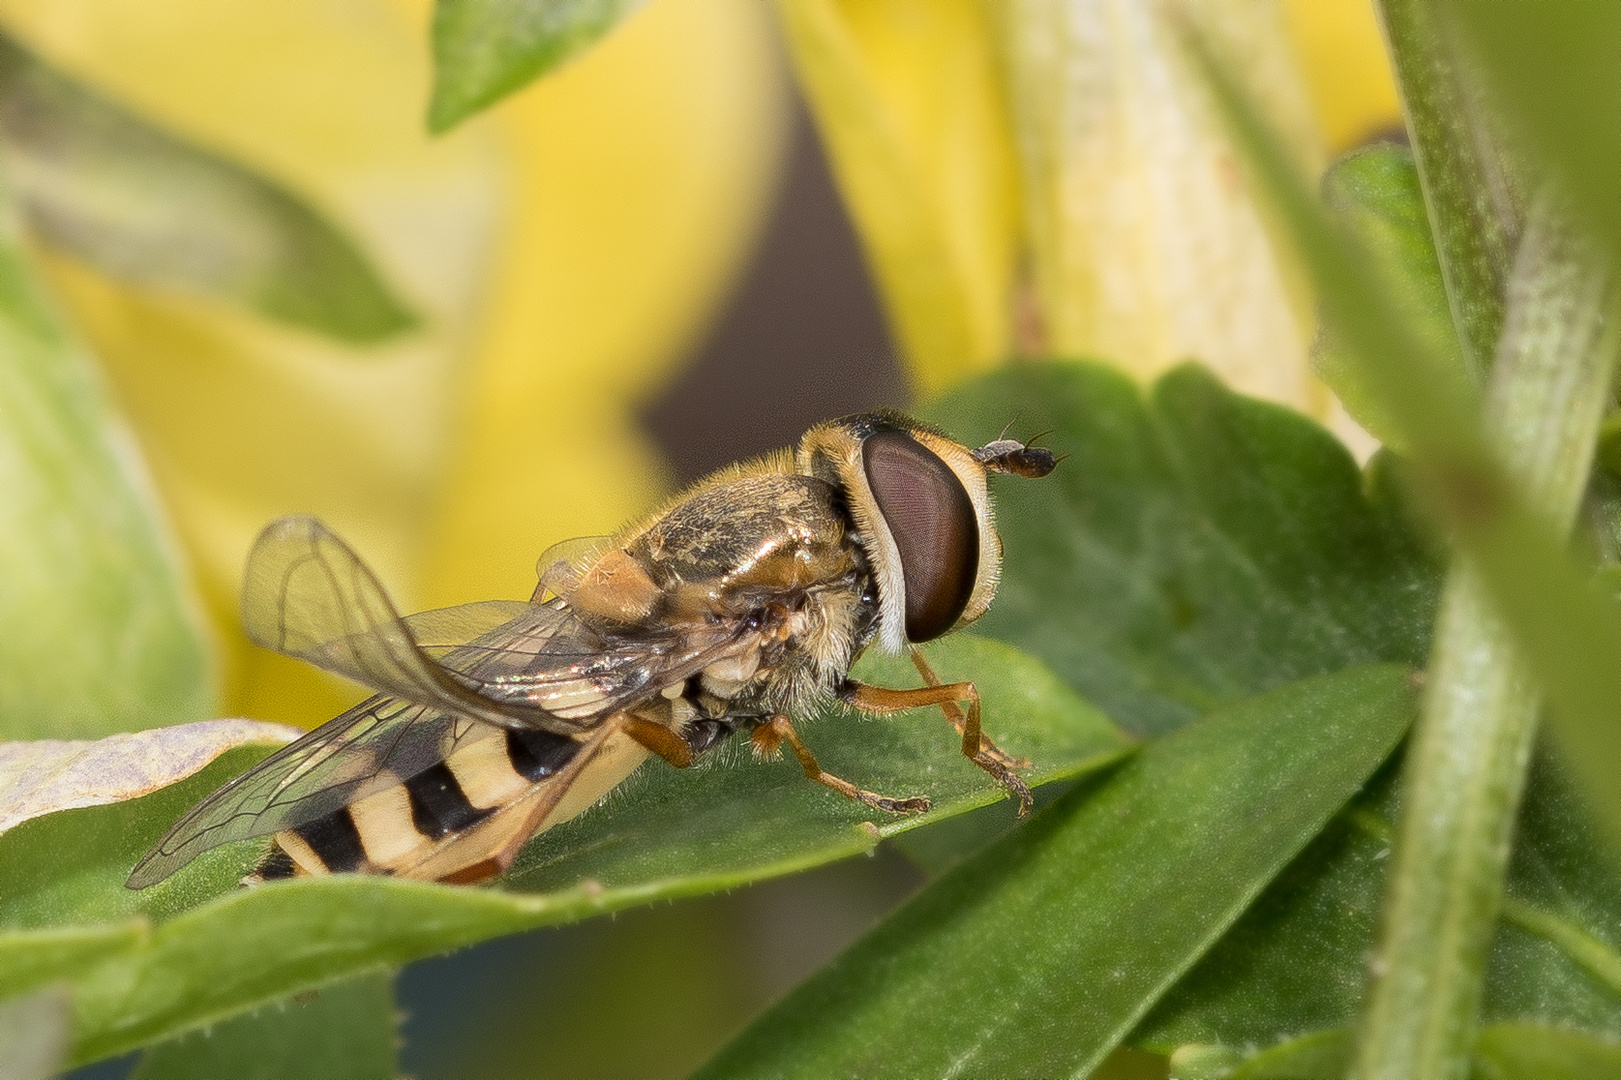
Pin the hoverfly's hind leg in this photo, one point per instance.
(273, 865)
(773, 732)
(976, 745)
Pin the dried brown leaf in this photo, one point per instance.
(49, 775)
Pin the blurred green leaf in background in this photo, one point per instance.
(101, 631)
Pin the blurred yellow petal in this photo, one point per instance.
(640, 177)
(243, 420)
(908, 100)
(1347, 70)
(538, 338)
(1148, 248)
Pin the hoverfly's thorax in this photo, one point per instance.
(769, 535)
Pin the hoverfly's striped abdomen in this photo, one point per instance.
(397, 828)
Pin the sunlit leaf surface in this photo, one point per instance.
(42, 777)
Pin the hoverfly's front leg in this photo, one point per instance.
(976, 745)
(974, 739)
(768, 739)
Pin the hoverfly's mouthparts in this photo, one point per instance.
(1013, 456)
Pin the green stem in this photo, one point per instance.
(1469, 188)
(1503, 490)
(1466, 768)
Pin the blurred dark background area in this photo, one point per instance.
(801, 340)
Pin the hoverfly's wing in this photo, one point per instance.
(308, 595)
(380, 742)
(546, 661)
(385, 740)
(368, 748)
(527, 665)
(558, 569)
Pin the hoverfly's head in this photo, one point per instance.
(923, 513)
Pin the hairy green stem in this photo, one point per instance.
(1466, 768)
(1504, 496)
(1469, 186)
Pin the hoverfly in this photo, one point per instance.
(741, 604)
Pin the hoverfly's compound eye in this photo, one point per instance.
(936, 531)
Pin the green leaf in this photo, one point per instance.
(1557, 956)
(1502, 1052)
(1296, 961)
(1026, 709)
(97, 621)
(1195, 548)
(483, 50)
(341, 1032)
(1375, 194)
(1538, 1052)
(667, 833)
(31, 958)
(1571, 640)
(1320, 1055)
(145, 207)
(47, 892)
(1036, 956)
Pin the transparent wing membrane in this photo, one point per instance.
(373, 745)
(308, 595)
(442, 674)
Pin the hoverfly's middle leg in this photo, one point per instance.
(976, 745)
(772, 733)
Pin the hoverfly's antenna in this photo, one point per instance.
(1012, 456)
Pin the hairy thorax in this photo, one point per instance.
(764, 559)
